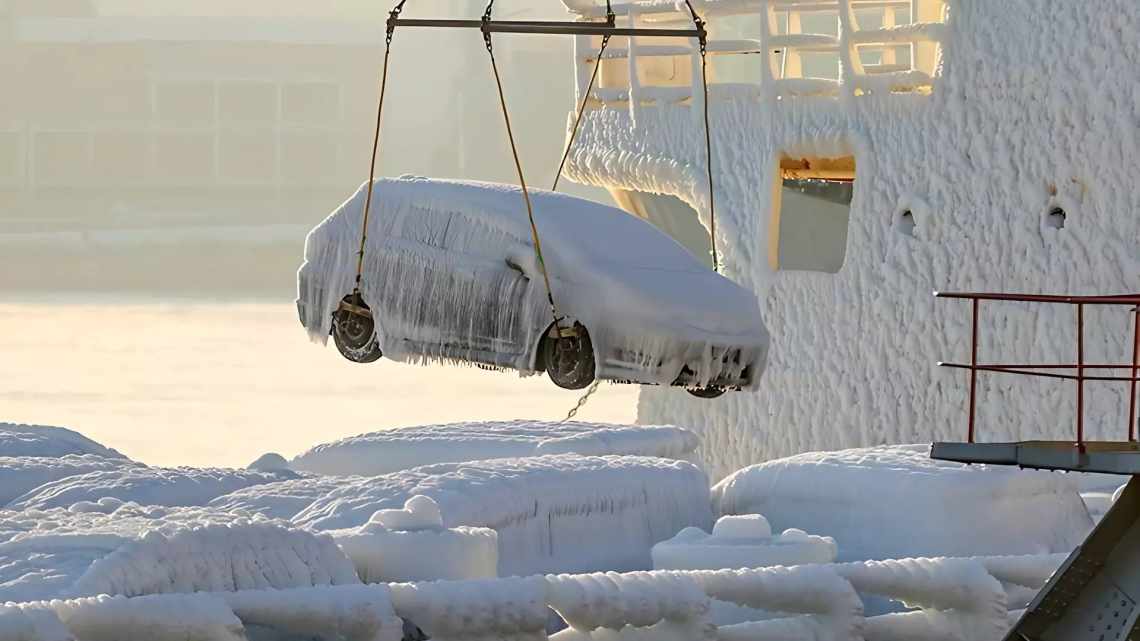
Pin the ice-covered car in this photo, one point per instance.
(450, 274)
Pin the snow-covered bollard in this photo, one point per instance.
(411, 544)
(743, 541)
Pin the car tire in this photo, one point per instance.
(706, 392)
(355, 336)
(569, 361)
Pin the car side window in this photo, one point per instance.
(424, 226)
(473, 237)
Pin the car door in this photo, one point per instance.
(497, 297)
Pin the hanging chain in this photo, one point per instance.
(558, 331)
(391, 29)
(581, 401)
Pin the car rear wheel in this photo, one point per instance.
(706, 392)
(354, 331)
(570, 359)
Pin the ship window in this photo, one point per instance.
(1055, 219)
(11, 157)
(811, 209)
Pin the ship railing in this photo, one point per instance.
(950, 598)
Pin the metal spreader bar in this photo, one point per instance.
(548, 27)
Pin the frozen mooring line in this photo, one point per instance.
(965, 599)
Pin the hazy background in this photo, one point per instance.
(160, 163)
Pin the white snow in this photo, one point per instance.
(43, 440)
(282, 499)
(438, 280)
(743, 541)
(119, 548)
(400, 449)
(146, 486)
(21, 474)
(1027, 113)
(552, 513)
(411, 544)
(894, 501)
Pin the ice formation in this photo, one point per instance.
(22, 474)
(146, 486)
(411, 544)
(741, 541)
(131, 549)
(894, 501)
(451, 275)
(282, 499)
(400, 449)
(1026, 114)
(46, 441)
(552, 513)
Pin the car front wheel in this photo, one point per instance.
(354, 332)
(706, 392)
(570, 359)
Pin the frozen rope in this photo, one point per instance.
(610, 20)
(518, 167)
(702, 37)
(391, 29)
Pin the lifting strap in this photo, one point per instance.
(391, 29)
(558, 330)
(703, 41)
(610, 20)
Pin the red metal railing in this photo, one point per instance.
(1050, 370)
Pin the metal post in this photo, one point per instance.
(1135, 369)
(973, 369)
(1081, 377)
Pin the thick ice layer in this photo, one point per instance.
(146, 486)
(411, 544)
(744, 541)
(552, 513)
(131, 549)
(22, 474)
(393, 450)
(450, 274)
(953, 191)
(42, 440)
(891, 502)
(282, 499)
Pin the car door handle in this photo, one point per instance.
(517, 267)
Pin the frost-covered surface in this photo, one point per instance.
(741, 541)
(399, 449)
(129, 549)
(1033, 108)
(892, 502)
(21, 474)
(282, 499)
(552, 513)
(42, 440)
(411, 544)
(437, 278)
(146, 486)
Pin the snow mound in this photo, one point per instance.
(743, 541)
(43, 440)
(271, 462)
(564, 513)
(400, 449)
(283, 499)
(132, 549)
(22, 474)
(181, 486)
(411, 544)
(894, 501)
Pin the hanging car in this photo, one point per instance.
(450, 273)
